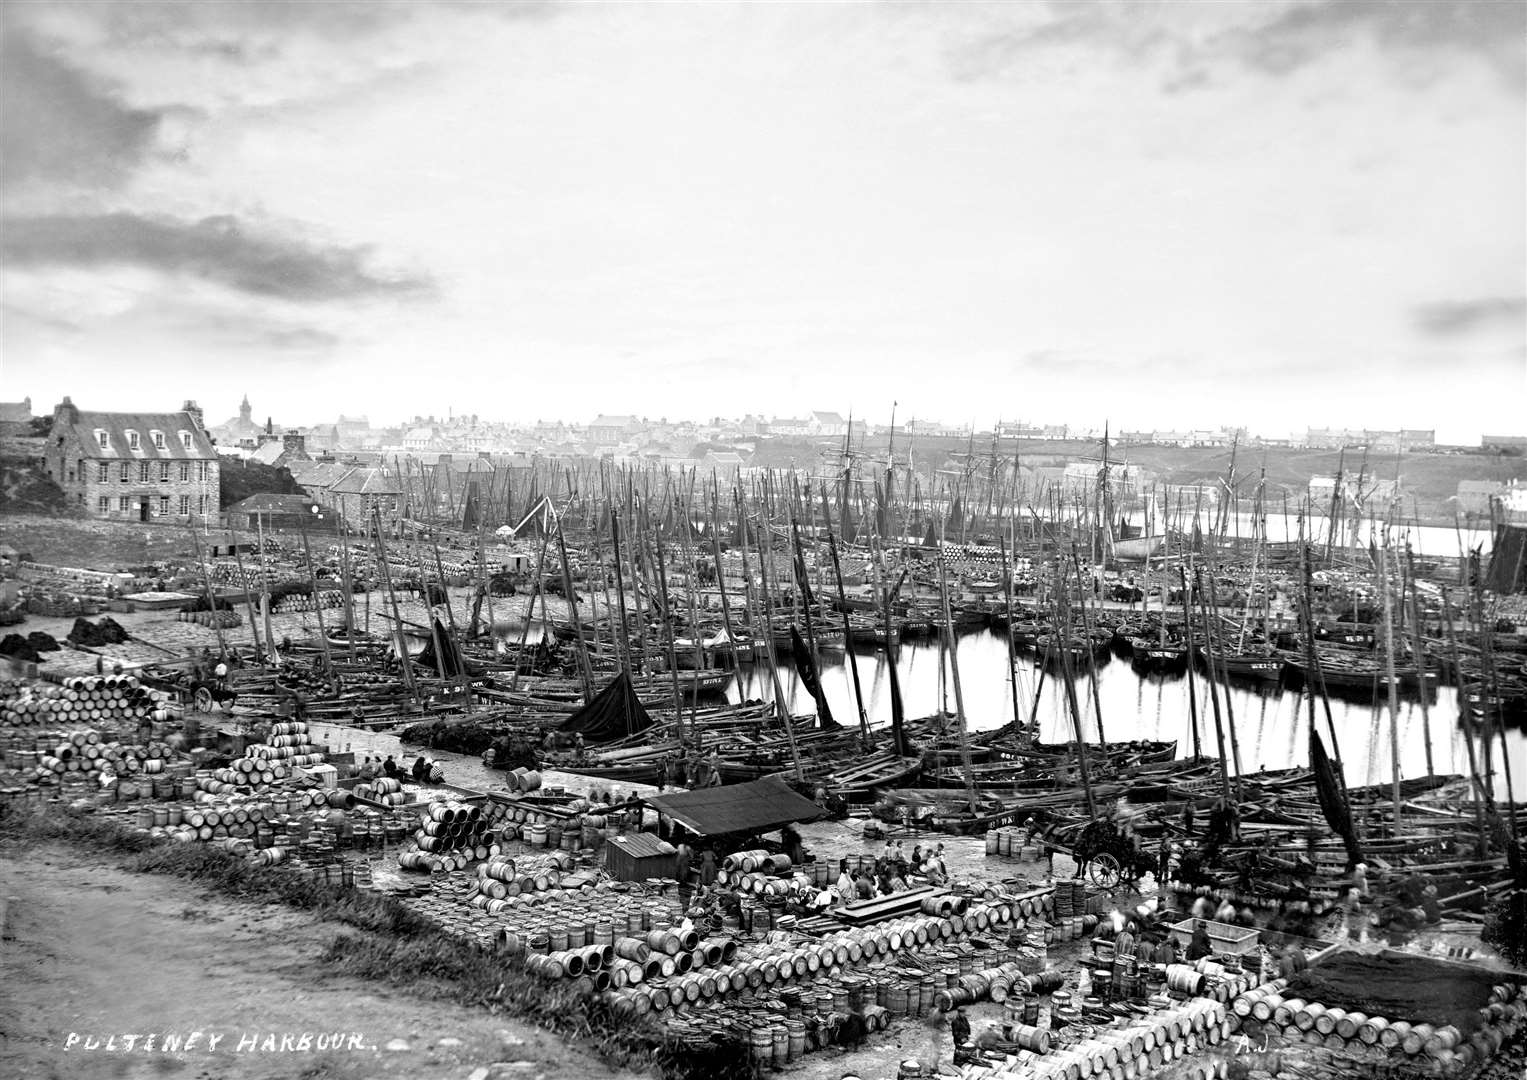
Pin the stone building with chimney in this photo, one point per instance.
(134, 466)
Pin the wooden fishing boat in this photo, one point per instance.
(866, 776)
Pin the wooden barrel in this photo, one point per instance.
(1184, 979)
(1371, 1030)
(761, 1044)
(1395, 1035)
(1032, 1038)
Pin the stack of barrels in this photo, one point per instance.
(1434, 1047)
(97, 701)
(1013, 843)
(451, 827)
(87, 752)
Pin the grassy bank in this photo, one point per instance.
(380, 940)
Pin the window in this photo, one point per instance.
(124, 472)
(142, 472)
(103, 472)
(103, 438)
(185, 439)
(185, 471)
(164, 472)
(125, 503)
(132, 440)
(158, 439)
(201, 505)
(201, 471)
(185, 505)
(164, 505)
(103, 504)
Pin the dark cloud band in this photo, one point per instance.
(217, 249)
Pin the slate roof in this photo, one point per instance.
(365, 481)
(117, 425)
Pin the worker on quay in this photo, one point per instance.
(937, 1021)
(682, 861)
(578, 748)
(367, 771)
(959, 1028)
(1200, 946)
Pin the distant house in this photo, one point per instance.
(789, 426)
(1517, 443)
(426, 437)
(134, 466)
(609, 431)
(724, 463)
(826, 424)
(271, 511)
(363, 491)
(1475, 496)
(284, 451)
(16, 417)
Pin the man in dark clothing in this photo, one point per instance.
(1187, 818)
(959, 1028)
(390, 768)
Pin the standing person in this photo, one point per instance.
(937, 1021)
(707, 868)
(1187, 818)
(959, 1028)
(1164, 860)
(681, 864)
(665, 772)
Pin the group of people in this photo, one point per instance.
(425, 770)
(689, 769)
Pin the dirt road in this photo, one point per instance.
(100, 956)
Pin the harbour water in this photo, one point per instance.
(1272, 723)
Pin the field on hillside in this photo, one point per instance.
(1428, 480)
(101, 545)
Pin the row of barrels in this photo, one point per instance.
(1341, 1029)
(81, 701)
(1169, 1038)
(225, 618)
(768, 964)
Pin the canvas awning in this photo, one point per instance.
(757, 806)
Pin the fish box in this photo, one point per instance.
(1235, 940)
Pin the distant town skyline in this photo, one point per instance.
(1271, 215)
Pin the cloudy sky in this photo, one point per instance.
(1159, 214)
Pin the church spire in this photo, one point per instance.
(244, 409)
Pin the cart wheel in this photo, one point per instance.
(1104, 871)
(203, 699)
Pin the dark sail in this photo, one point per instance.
(1332, 804)
(807, 670)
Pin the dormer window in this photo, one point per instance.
(185, 439)
(158, 439)
(132, 440)
(103, 438)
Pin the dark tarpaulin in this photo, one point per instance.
(614, 713)
(757, 806)
(807, 669)
(1508, 560)
(1332, 805)
(449, 663)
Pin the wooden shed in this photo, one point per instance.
(639, 856)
